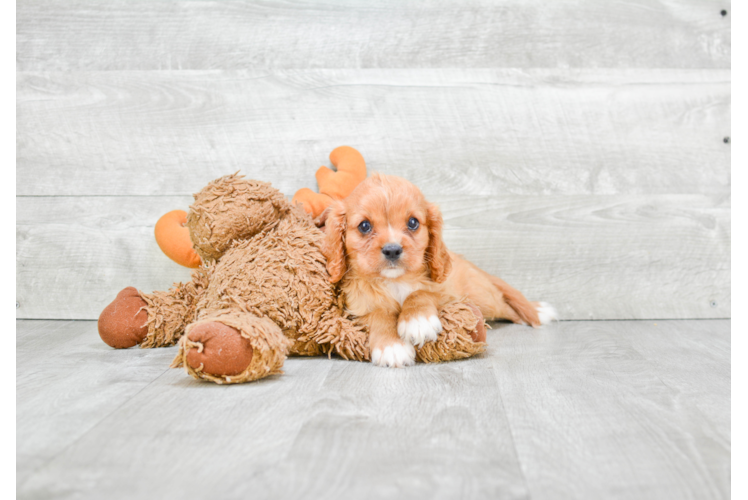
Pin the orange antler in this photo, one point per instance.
(334, 185)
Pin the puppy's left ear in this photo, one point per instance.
(437, 255)
(333, 246)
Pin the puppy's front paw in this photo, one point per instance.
(395, 355)
(419, 329)
(546, 313)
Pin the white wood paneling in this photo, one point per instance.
(589, 410)
(275, 34)
(472, 132)
(736, 129)
(74, 254)
(592, 256)
(576, 145)
(736, 33)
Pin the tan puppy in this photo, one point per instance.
(384, 241)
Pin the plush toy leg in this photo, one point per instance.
(151, 319)
(341, 336)
(230, 347)
(170, 312)
(463, 335)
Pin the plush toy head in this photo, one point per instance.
(214, 224)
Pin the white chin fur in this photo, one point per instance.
(396, 355)
(392, 272)
(547, 313)
(419, 330)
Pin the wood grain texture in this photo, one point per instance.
(274, 34)
(598, 407)
(471, 132)
(67, 382)
(736, 34)
(737, 159)
(602, 257)
(574, 410)
(739, 386)
(73, 255)
(593, 257)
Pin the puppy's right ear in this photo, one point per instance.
(333, 246)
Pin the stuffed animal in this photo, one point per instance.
(261, 293)
(173, 237)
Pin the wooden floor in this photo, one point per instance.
(604, 409)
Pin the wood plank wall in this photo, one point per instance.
(737, 129)
(577, 148)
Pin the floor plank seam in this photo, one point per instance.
(511, 433)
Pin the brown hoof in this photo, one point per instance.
(479, 334)
(224, 352)
(123, 323)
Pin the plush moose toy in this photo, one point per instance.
(261, 293)
(173, 236)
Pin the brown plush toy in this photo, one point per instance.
(261, 293)
(173, 237)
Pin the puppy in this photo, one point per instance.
(384, 241)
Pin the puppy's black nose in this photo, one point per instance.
(392, 251)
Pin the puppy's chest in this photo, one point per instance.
(399, 290)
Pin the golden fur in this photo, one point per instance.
(389, 295)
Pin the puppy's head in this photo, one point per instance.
(385, 229)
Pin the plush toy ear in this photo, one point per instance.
(437, 255)
(174, 239)
(333, 246)
(313, 203)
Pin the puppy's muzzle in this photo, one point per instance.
(392, 251)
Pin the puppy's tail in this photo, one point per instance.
(526, 310)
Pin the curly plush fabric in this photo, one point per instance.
(231, 208)
(170, 312)
(455, 341)
(280, 274)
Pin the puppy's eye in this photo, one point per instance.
(365, 227)
(413, 224)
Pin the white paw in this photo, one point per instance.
(419, 330)
(546, 313)
(396, 355)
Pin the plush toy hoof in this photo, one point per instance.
(224, 351)
(124, 322)
(479, 334)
